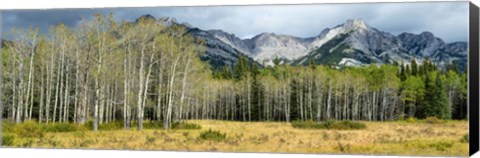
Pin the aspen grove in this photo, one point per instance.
(104, 70)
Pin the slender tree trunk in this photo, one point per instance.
(140, 90)
(97, 94)
(329, 97)
(170, 95)
(42, 83)
(184, 85)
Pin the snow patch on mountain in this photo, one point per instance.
(350, 62)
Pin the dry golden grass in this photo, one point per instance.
(380, 138)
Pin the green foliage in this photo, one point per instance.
(115, 125)
(29, 129)
(88, 125)
(8, 127)
(436, 103)
(346, 125)
(329, 124)
(276, 61)
(212, 135)
(411, 120)
(153, 125)
(413, 91)
(176, 125)
(414, 67)
(7, 139)
(441, 146)
(59, 127)
(308, 125)
(433, 120)
(241, 67)
(185, 126)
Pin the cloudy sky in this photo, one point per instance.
(447, 20)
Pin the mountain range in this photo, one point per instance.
(353, 43)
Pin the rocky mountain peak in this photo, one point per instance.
(264, 35)
(424, 44)
(355, 24)
(427, 34)
(168, 20)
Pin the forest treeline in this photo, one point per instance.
(105, 70)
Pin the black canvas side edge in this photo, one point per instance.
(473, 75)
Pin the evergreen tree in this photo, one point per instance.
(402, 74)
(435, 98)
(455, 67)
(241, 67)
(414, 67)
(276, 61)
(227, 72)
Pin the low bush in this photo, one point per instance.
(115, 125)
(88, 125)
(441, 146)
(411, 120)
(433, 120)
(59, 127)
(329, 124)
(7, 139)
(176, 125)
(29, 129)
(8, 127)
(184, 125)
(212, 135)
(153, 125)
(345, 125)
(309, 124)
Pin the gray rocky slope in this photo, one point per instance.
(352, 43)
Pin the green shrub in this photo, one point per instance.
(433, 120)
(184, 125)
(8, 127)
(329, 124)
(59, 127)
(88, 125)
(153, 125)
(441, 146)
(212, 135)
(346, 125)
(29, 129)
(115, 125)
(411, 120)
(7, 139)
(176, 125)
(310, 124)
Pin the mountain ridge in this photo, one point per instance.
(362, 44)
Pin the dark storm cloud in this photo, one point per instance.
(448, 20)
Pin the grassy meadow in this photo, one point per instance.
(380, 138)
